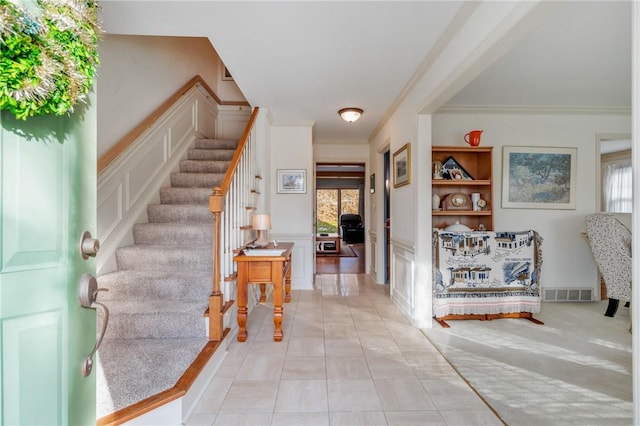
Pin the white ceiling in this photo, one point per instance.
(305, 60)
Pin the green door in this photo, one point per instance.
(47, 199)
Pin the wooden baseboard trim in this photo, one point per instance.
(177, 391)
(225, 308)
(486, 317)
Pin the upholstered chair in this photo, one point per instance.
(351, 229)
(610, 243)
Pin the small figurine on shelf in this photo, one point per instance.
(437, 170)
(435, 202)
(475, 197)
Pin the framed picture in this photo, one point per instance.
(372, 183)
(538, 177)
(292, 181)
(226, 75)
(402, 166)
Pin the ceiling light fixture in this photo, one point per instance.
(350, 114)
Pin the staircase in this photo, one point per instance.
(159, 293)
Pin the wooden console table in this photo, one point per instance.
(262, 270)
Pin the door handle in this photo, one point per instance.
(88, 293)
(89, 246)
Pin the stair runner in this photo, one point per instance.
(159, 293)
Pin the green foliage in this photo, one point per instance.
(326, 228)
(47, 64)
(328, 211)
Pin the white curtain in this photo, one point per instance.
(618, 195)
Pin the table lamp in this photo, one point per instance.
(261, 222)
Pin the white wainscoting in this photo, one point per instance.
(134, 179)
(303, 259)
(373, 255)
(403, 277)
(232, 121)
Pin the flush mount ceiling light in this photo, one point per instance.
(350, 114)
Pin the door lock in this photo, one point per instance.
(88, 293)
(88, 246)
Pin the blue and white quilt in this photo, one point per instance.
(482, 272)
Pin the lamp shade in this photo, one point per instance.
(261, 222)
(350, 114)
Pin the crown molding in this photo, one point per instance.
(532, 109)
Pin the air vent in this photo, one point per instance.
(568, 295)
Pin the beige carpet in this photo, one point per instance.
(573, 370)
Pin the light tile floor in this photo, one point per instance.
(348, 357)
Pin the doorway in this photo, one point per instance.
(339, 218)
(615, 193)
(615, 182)
(387, 217)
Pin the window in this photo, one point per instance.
(331, 204)
(618, 186)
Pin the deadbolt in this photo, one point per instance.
(88, 246)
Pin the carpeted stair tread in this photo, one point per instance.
(165, 258)
(143, 285)
(156, 319)
(137, 369)
(171, 195)
(159, 293)
(210, 154)
(173, 233)
(216, 144)
(203, 166)
(196, 180)
(180, 213)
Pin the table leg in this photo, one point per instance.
(242, 301)
(287, 282)
(276, 273)
(263, 288)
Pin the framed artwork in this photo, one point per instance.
(372, 183)
(292, 181)
(538, 177)
(402, 166)
(226, 75)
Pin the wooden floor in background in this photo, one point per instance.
(342, 265)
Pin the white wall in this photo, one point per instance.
(138, 73)
(292, 214)
(340, 153)
(567, 259)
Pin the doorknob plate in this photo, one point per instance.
(88, 291)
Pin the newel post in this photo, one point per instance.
(216, 299)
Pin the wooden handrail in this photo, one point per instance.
(124, 143)
(224, 187)
(216, 206)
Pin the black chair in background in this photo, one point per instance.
(351, 229)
